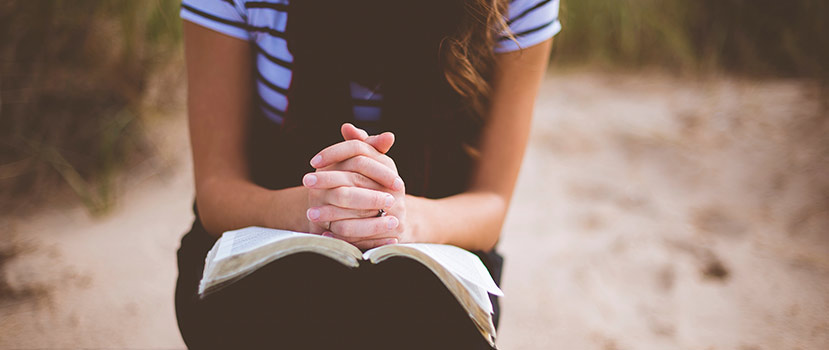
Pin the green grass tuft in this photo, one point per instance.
(753, 37)
(72, 75)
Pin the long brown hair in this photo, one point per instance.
(467, 56)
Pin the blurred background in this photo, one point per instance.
(675, 192)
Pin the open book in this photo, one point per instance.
(239, 253)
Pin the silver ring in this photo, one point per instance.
(381, 213)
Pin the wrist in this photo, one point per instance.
(266, 212)
(284, 209)
(418, 226)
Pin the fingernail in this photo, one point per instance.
(392, 241)
(317, 160)
(363, 133)
(392, 222)
(313, 214)
(398, 184)
(389, 201)
(309, 180)
(327, 234)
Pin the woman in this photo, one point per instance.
(455, 82)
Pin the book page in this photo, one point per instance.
(241, 252)
(249, 238)
(479, 294)
(459, 262)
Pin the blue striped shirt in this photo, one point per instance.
(263, 24)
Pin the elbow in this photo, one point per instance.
(206, 217)
(206, 207)
(498, 207)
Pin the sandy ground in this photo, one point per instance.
(651, 213)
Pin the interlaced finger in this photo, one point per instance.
(348, 149)
(371, 169)
(362, 229)
(358, 198)
(336, 178)
(368, 243)
(327, 213)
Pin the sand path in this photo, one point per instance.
(651, 213)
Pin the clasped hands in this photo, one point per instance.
(353, 181)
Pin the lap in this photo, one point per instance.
(309, 301)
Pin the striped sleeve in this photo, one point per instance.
(531, 22)
(223, 16)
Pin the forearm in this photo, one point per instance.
(473, 220)
(470, 220)
(227, 203)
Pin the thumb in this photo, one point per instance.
(382, 143)
(351, 132)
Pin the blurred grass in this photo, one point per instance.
(72, 77)
(766, 38)
(73, 73)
